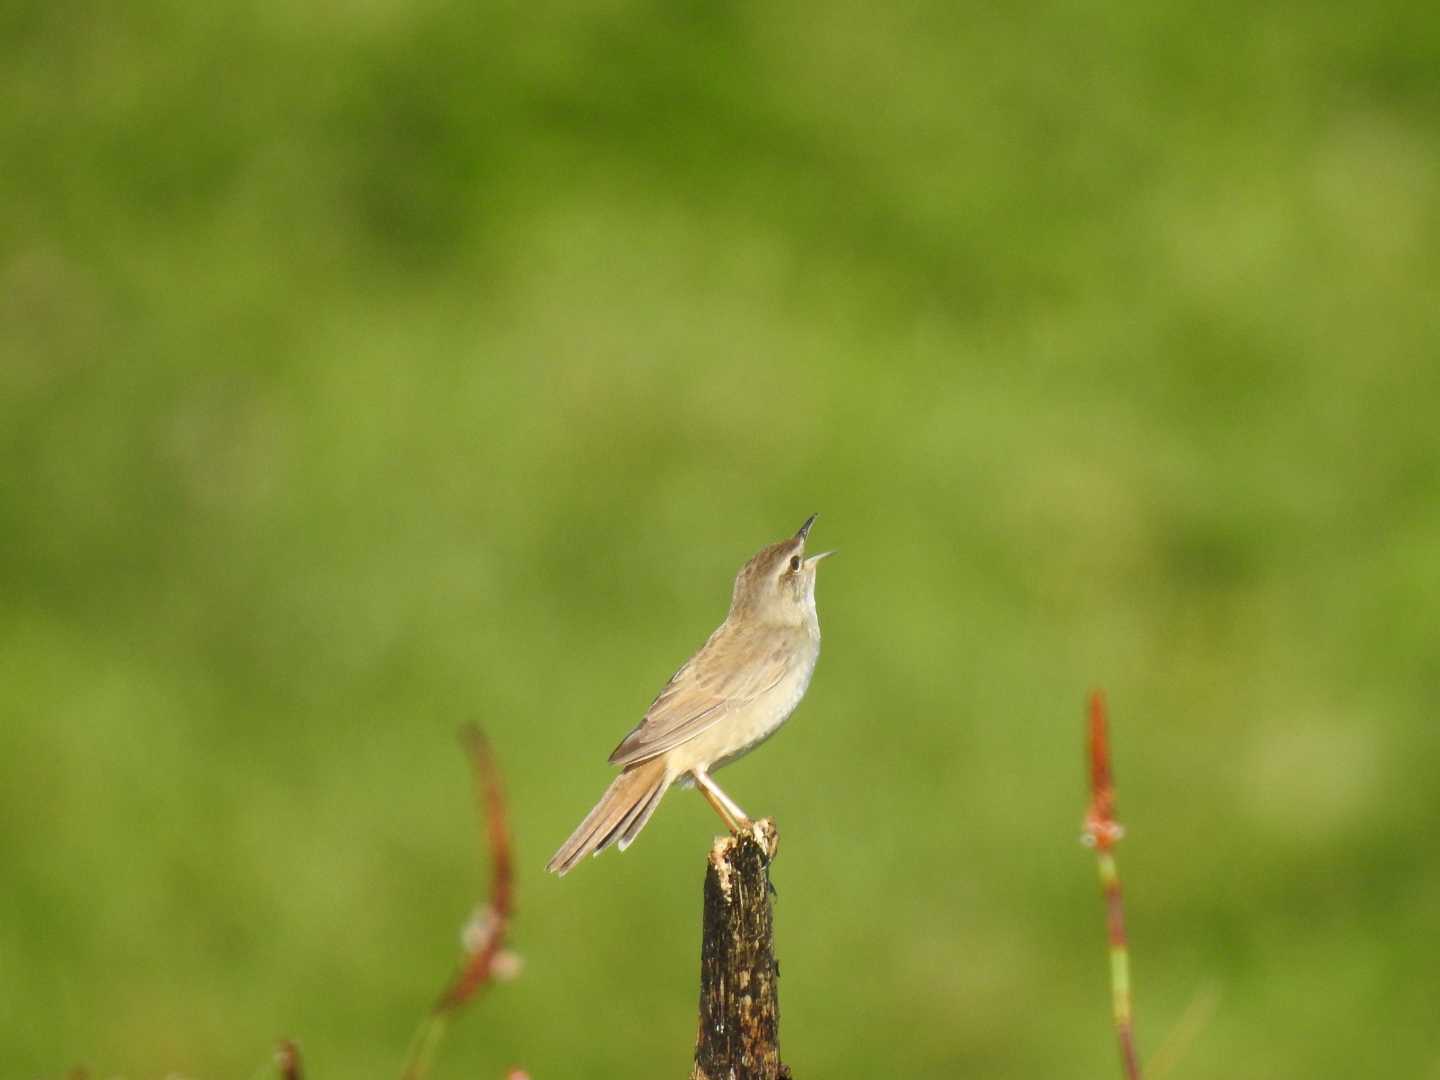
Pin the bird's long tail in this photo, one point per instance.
(619, 815)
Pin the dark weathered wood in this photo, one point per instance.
(739, 995)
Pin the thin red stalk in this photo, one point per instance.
(1102, 832)
(485, 936)
(479, 966)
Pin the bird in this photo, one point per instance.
(723, 702)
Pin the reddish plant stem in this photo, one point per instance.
(1102, 832)
(479, 966)
(485, 935)
(287, 1061)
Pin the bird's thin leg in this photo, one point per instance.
(735, 819)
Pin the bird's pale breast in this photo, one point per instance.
(748, 726)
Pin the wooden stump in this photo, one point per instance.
(739, 995)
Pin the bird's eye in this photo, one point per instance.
(794, 564)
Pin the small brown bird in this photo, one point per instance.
(724, 701)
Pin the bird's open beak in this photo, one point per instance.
(805, 529)
(813, 559)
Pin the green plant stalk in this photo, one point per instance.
(428, 1037)
(1119, 961)
(1102, 832)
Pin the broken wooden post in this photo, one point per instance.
(739, 994)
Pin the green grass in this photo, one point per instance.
(363, 372)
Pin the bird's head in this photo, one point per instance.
(778, 584)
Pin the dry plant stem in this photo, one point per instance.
(739, 1037)
(1102, 832)
(485, 939)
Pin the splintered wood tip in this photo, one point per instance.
(762, 833)
(762, 836)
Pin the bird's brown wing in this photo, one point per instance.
(727, 673)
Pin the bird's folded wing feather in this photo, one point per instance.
(726, 674)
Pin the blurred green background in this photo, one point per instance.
(366, 369)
